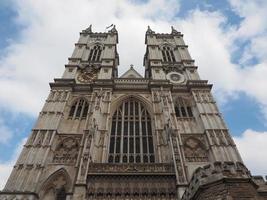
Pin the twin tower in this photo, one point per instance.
(161, 136)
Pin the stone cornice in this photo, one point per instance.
(130, 84)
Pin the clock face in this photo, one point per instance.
(176, 77)
(87, 77)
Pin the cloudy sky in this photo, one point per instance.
(227, 38)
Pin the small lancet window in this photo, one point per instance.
(95, 54)
(167, 54)
(79, 109)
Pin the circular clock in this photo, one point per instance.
(86, 77)
(175, 77)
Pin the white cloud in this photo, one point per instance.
(51, 29)
(6, 167)
(252, 147)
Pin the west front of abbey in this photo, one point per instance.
(155, 137)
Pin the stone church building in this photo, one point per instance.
(155, 137)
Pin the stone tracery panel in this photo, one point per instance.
(132, 187)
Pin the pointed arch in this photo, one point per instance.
(55, 186)
(147, 104)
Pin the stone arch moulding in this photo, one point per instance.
(118, 101)
(56, 180)
(77, 98)
(166, 44)
(89, 46)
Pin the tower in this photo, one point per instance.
(100, 136)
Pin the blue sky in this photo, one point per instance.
(226, 38)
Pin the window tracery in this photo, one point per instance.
(95, 53)
(167, 54)
(131, 138)
(79, 109)
(183, 108)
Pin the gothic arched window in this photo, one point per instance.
(95, 53)
(183, 108)
(79, 109)
(167, 54)
(131, 138)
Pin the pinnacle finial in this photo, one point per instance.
(149, 30)
(89, 29)
(113, 30)
(174, 31)
(131, 66)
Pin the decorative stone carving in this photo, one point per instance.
(203, 96)
(40, 138)
(86, 155)
(173, 68)
(156, 97)
(132, 187)
(194, 149)
(67, 150)
(177, 156)
(99, 94)
(220, 137)
(112, 168)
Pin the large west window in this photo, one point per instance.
(131, 138)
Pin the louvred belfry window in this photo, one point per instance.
(131, 138)
(167, 54)
(95, 53)
(79, 109)
(183, 108)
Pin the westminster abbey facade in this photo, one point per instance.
(155, 137)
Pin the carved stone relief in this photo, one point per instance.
(194, 149)
(67, 149)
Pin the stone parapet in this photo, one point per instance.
(215, 172)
